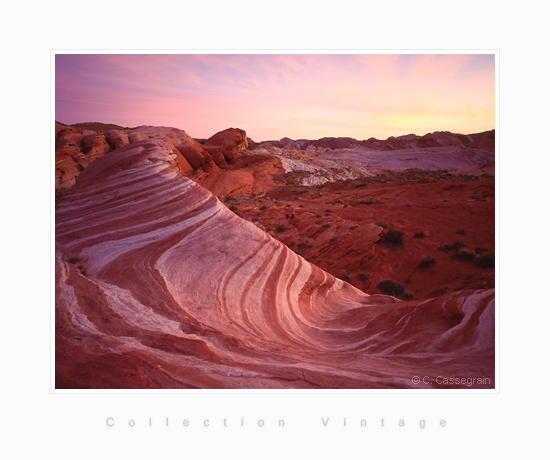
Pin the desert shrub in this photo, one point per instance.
(233, 207)
(345, 278)
(327, 225)
(465, 255)
(318, 216)
(74, 260)
(419, 235)
(408, 295)
(302, 206)
(264, 207)
(427, 262)
(391, 287)
(382, 224)
(363, 276)
(280, 228)
(289, 205)
(328, 210)
(460, 231)
(486, 260)
(452, 247)
(367, 202)
(393, 238)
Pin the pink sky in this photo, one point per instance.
(272, 96)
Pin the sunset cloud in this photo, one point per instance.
(272, 96)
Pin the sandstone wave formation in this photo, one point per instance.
(159, 285)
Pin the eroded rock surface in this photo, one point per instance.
(159, 285)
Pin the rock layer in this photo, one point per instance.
(159, 285)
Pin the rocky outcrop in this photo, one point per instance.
(197, 157)
(69, 159)
(117, 138)
(76, 148)
(224, 144)
(159, 285)
(229, 138)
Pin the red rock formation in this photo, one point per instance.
(224, 144)
(253, 174)
(485, 141)
(185, 167)
(68, 154)
(159, 285)
(196, 156)
(117, 138)
(230, 137)
(77, 148)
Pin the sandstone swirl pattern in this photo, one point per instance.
(159, 285)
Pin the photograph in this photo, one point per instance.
(281, 221)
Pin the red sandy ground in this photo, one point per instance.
(331, 229)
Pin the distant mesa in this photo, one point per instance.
(93, 126)
(484, 140)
